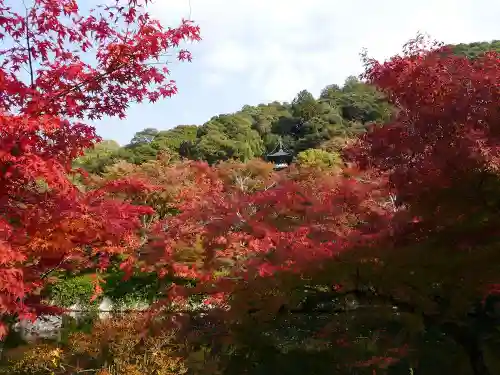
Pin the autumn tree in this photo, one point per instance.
(252, 176)
(315, 158)
(238, 237)
(441, 158)
(59, 66)
(400, 248)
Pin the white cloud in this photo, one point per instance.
(213, 79)
(229, 57)
(278, 47)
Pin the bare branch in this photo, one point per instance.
(28, 47)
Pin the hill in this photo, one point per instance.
(325, 123)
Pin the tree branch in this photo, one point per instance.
(28, 46)
(47, 273)
(83, 83)
(311, 303)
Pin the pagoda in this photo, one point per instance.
(281, 158)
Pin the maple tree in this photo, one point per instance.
(431, 253)
(441, 157)
(59, 66)
(255, 249)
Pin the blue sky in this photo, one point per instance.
(254, 51)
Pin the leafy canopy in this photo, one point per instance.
(61, 65)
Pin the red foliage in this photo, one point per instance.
(441, 156)
(448, 124)
(438, 242)
(79, 65)
(436, 156)
(292, 227)
(123, 40)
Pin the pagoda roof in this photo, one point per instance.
(279, 153)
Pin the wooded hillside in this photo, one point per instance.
(324, 123)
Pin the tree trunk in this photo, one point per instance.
(476, 358)
(468, 339)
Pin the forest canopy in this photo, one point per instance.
(324, 123)
(306, 123)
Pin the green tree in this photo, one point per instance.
(96, 159)
(228, 137)
(473, 50)
(304, 106)
(144, 136)
(137, 153)
(359, 102)
(320, 159)
(174, 138)
(272, 121)
(330, 91)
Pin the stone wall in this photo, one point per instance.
(49, 326)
